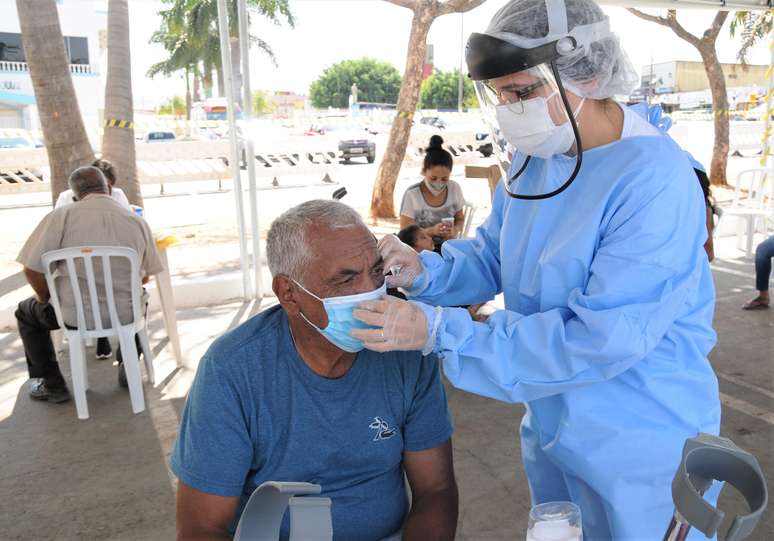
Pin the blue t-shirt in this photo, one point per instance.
(256, 412)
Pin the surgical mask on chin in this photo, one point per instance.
(340, 318)
(532, 132)
(436, 188)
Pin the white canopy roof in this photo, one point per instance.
(732, 5)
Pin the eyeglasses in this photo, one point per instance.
(513, 94)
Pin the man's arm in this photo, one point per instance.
(202, 516)
(434, 498)
(37, 281)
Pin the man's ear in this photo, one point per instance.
(285, 291)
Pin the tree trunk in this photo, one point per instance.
(236, 66)
(118, 142)
(720, 109)
(197, 94)
(221, 82)
(188, 103)
(207, 80)
(67, 145)
(382, 199)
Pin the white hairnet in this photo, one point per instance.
(600, 61)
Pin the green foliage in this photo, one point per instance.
(753, 26)
(377, 82)
(439, 91)
(189, 32)
(173, 106)
(261, 102)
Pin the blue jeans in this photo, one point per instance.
(763, 254)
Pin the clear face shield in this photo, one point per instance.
(527, 110)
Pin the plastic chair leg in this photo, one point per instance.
(77, 372)
(132, 368)
(57, 337)
(740, 223)
(85, 370)
(147, 354)
(748, 247)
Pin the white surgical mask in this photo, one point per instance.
(436, 188)
(531, 131)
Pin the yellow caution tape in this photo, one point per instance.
(405, 114)
(115, 123)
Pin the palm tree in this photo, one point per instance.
(184, 51)
(755, 26)
(204, 18)
(65, 137)
(189, 32)
(425, 12)
(118, 140)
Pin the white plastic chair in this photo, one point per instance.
(468, 211)
(752, 205)
(125, 333)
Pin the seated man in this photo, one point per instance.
(291, 396)
(68, 198)
(95, 220)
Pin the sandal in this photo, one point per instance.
(755, 304)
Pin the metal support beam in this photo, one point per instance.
(228, 76)
(720, 5)
(247, 115)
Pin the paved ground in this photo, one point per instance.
(107, 478)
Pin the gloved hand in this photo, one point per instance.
(403, 325)
(399, 258)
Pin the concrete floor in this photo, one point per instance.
(107, 478)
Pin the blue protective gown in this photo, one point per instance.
(608, 322)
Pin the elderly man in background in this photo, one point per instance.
(67, 198)
(95, 220)
(290, 396)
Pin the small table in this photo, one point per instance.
(164, 285)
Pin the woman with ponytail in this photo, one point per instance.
(436, 198)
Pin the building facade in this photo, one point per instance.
(84, 25)
(682, 76)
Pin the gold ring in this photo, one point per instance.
(383, 339)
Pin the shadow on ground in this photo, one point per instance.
(107, 478)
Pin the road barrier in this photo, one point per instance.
(26, 170)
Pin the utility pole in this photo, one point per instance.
(461, 83)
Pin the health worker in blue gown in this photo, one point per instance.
(595, 241)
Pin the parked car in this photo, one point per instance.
(159, 136)
(485, 144)
(353, 142)
(434, 121)
(358, 145)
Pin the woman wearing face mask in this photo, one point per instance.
(436, 198)
(595, 240)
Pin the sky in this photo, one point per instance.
(329, 31)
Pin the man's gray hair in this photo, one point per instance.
(86, 180)
(288, 249)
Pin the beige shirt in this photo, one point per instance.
(97, 220)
